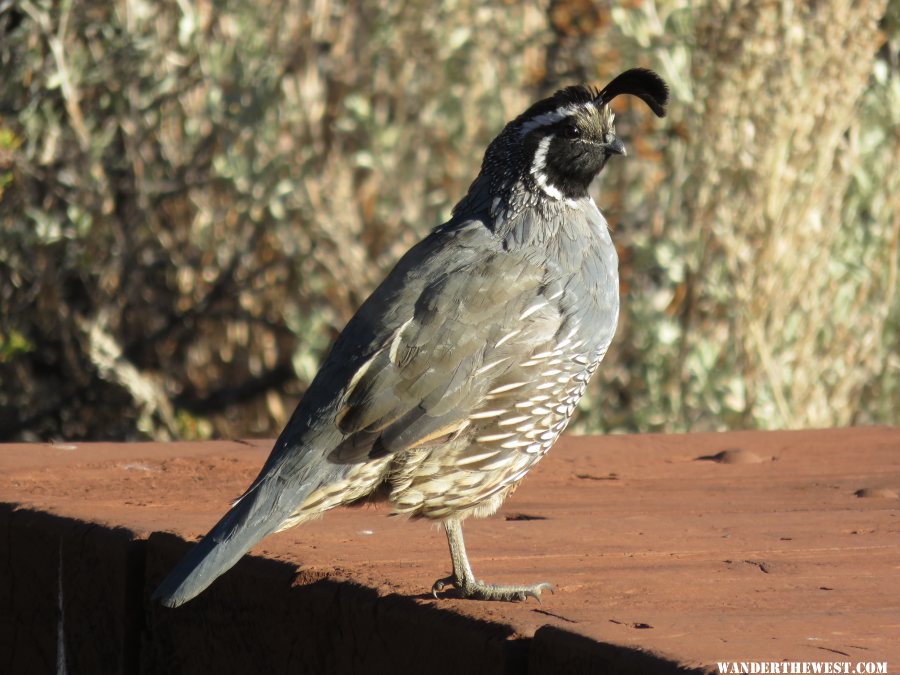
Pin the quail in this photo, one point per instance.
(463, 367)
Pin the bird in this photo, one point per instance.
(463, 367)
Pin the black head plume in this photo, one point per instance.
(640, 82)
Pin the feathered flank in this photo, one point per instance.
(640, 82)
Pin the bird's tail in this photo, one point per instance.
(261, 511)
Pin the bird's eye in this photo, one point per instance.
(571, 130)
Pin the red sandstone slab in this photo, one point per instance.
(768, 554)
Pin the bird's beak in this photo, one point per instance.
(616, 147)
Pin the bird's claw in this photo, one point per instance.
(535, 591)
(441, 584)
(478, 590)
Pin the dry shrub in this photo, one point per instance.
(788, 280)
(196, 196)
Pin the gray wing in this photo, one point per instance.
(469, 332)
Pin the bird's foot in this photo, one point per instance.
(478, 590)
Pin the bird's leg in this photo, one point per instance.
(466, 583)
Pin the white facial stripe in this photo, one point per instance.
(547, 119)
(540, 155)
(539, 165)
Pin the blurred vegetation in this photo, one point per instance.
(194, 198)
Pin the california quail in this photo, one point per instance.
(463, 367)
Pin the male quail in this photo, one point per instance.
(463, 367)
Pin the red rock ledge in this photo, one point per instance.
(669, 553)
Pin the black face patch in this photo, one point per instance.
(568, 155)
(572, 163)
